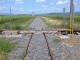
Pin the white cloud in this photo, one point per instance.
(3, 1)
(66, 1)
(44, 6)
(2, 8)
(18, 9)
(50, 9)
(19, 1)
(21, 9)
(40, 0)
(60, 3)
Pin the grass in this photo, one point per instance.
(5, 47)
(57, 40)
(61, 18)
(51, 24)
(4, 19)
(18, 22)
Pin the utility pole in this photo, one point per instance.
(71, 17)
(32, 13)
(64, 16)
(10, 15)
(10, 19)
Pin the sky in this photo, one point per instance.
(36, 6)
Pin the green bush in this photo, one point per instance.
(6, 46)
(57, 40)
(1, 31)
(17, 28)
(7, 27)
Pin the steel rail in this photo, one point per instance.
(28, 46)
(50, 53)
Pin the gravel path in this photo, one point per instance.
(61, 51)
(37, 24)
(38, 49)
(18, 52)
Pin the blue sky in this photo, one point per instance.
(36, 6)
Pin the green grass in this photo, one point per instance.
(61, 17)
(18, 22)
(67, 21)
(57, 40)
(5, 47)
(4, 19)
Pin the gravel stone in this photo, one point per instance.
(37, 24)
(62, 52)
(18, 52)
(38, 49)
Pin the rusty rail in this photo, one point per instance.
(50, 53)
(28, 46)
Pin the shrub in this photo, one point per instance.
(6, 46)
(17, 28)
(57, 40)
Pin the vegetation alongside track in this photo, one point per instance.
(60, 18)
(5, 47)
(57, 40)
(18, 22)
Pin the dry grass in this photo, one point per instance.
(78, 53)
(48, 20)
(59, 23)
(75, 41)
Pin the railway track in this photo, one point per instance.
(26, 52)
(50, 53)
(45, 37)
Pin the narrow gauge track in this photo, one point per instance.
(26, 52)
(49, 50)
(50, 53)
